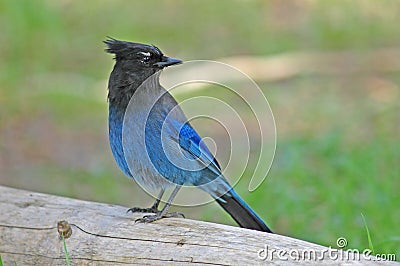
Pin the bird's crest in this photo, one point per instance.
(122, 48)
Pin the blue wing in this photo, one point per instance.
(208, 176)
(191, 142)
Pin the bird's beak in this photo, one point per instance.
(167, 61)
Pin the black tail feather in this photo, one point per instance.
(241, 212)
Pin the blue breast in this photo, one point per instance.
(115, 122)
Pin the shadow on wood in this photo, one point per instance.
(104, 234)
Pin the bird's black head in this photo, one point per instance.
(139, 56)
(135, 63)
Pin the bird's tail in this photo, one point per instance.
(241, 212)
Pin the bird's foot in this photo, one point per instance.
(143, 210)
(158, 216)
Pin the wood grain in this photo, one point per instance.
(104, 234)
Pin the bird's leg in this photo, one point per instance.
(163, 213)
(152, 209)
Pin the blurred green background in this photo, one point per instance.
(338, 125)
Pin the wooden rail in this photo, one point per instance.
(103, 234)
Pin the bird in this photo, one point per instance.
(153, 142)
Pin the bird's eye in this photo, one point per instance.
(145, 57)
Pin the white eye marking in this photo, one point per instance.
(145, 53)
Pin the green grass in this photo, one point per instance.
(65, 251)
(370, 245)
(338, 147)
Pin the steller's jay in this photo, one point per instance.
(152, 141)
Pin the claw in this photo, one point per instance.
(148, 219)
(153, 218)
(143, 210)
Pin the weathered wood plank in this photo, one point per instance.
(104, 234)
